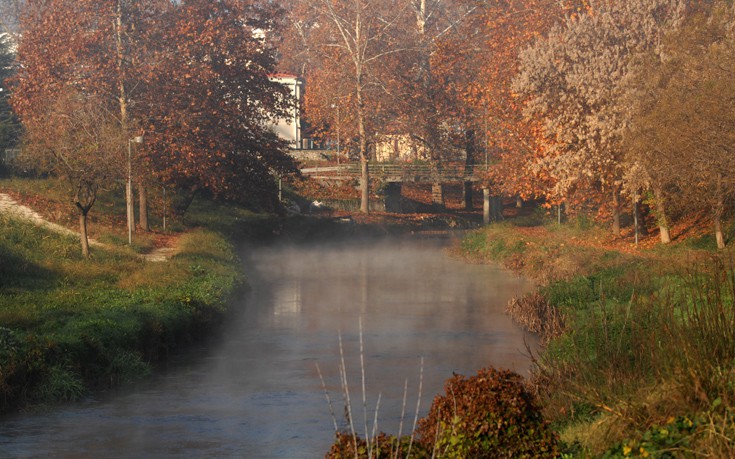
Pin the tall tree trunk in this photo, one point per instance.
(427, 112)
(120, 56)
(616, 211)
(123, 103)
(663, 222)
(496, 207)
(640, 215)
(364, 185)
(468, 194)
(362, 132)
(143, 207)
(364, 170)
(469, 161)
(718, 213)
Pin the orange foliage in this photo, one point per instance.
(478, 64)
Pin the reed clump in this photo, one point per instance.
(537, 315)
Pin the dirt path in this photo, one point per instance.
(10, 206)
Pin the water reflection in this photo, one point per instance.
(257, 393)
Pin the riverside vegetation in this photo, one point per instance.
(639, 357)
(70, 324)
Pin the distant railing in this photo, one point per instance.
(407, 172)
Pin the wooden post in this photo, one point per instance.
(486, 206)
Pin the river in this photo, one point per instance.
(255, 392)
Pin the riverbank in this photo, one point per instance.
(640, 342)
(70, 325)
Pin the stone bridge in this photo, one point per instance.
(394, 175)
(399, 173)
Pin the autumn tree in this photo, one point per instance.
(474, 65)
(351, 40)
(92, 46)
(572, 80)
(77, 139)
(687, 89)
(422, 95)
(210, 99)
(192, 76)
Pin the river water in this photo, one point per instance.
(255, 392)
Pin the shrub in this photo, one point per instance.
(491, 414)
(381, 446)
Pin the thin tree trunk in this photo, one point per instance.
(123, 103)
(143, 207)
(469, 162)
(467, 192)
(122, 94)
(719, 211)
(83, 232)
(364, 185)
(427, 111)
(616, 211)
(364, 170)
(640, 216)
(663, 223)
(362, 132)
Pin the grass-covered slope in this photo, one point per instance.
(640, 354)
(70, 324)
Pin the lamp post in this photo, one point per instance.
(129, 188)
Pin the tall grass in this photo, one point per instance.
(640, 348)
(640, 363)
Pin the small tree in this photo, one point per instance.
(76, 139)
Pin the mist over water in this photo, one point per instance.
(256, 393)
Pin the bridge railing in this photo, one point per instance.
(417, 172)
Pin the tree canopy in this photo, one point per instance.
(191, 76)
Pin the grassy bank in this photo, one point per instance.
(69, 325)
(640, 343)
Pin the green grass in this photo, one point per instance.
(647, 361)
(71, 324)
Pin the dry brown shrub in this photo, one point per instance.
(534, 313)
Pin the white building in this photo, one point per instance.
(290, 128)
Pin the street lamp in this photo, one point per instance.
(129, 189)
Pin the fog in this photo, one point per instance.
(255, 391)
